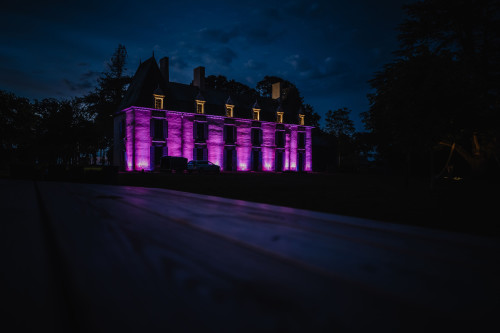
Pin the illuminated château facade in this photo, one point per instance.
(238, 133)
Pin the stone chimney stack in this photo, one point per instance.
(199, 77)
(276, 93)
(164, 69)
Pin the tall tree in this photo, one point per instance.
(232, 87)
(341, 126)
(104, 101)
(17, 130)
(443, 88)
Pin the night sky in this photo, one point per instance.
(329, 49)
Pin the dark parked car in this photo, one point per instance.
(202, 166)
(173, 163)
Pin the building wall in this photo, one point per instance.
(137, 140)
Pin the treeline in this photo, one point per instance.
(435, 109)
(68, 132)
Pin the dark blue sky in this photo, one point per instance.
(329, 49)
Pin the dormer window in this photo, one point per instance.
(256, 111)
(302, 119)
(200, 106)
(158, 96)
(279, 117)
(158, 101)
(229, 110)
(256, 114)
(229, 107)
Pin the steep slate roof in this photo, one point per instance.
(181, 97)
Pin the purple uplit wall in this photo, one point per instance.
(268, 137)
(244, 144)
(308, 166)
(293, 149)
(215, 140)
(142, 139)
(137, 142)
(174, 139)
(287, 149)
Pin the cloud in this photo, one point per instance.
(86, 81)
(306, 69)
(89, 75)
(192, 54)
(218, 35)
(177, 62)
(303, 8)
(225, 55)
(265, 33)
(260, 35)
(255, 65)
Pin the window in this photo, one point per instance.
(158, 129)
(200, 106)
(157, 152)
(301, 140)
(200, 131)
(256, 136)
(256, 114)
(301, 157)
(279, 117)
(229, 110)
(279, 160)
(158, 101)
(256, 160)
(229, 134)
(200, 154)
(279, 139)
(302, 119)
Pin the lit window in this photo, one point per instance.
(302, 119)
(200, 106)
(279, 117)
(229, 110)
(256, 114)
(159, 101)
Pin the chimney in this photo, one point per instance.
(276, 93)
(199, 77)
(164, 68)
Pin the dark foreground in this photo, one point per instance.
(100, 258)
(467, 206)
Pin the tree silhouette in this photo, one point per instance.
(442, 90)
(17, 130)
(232, 87)
(311, 117)
(104, 101)
(341, 126)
